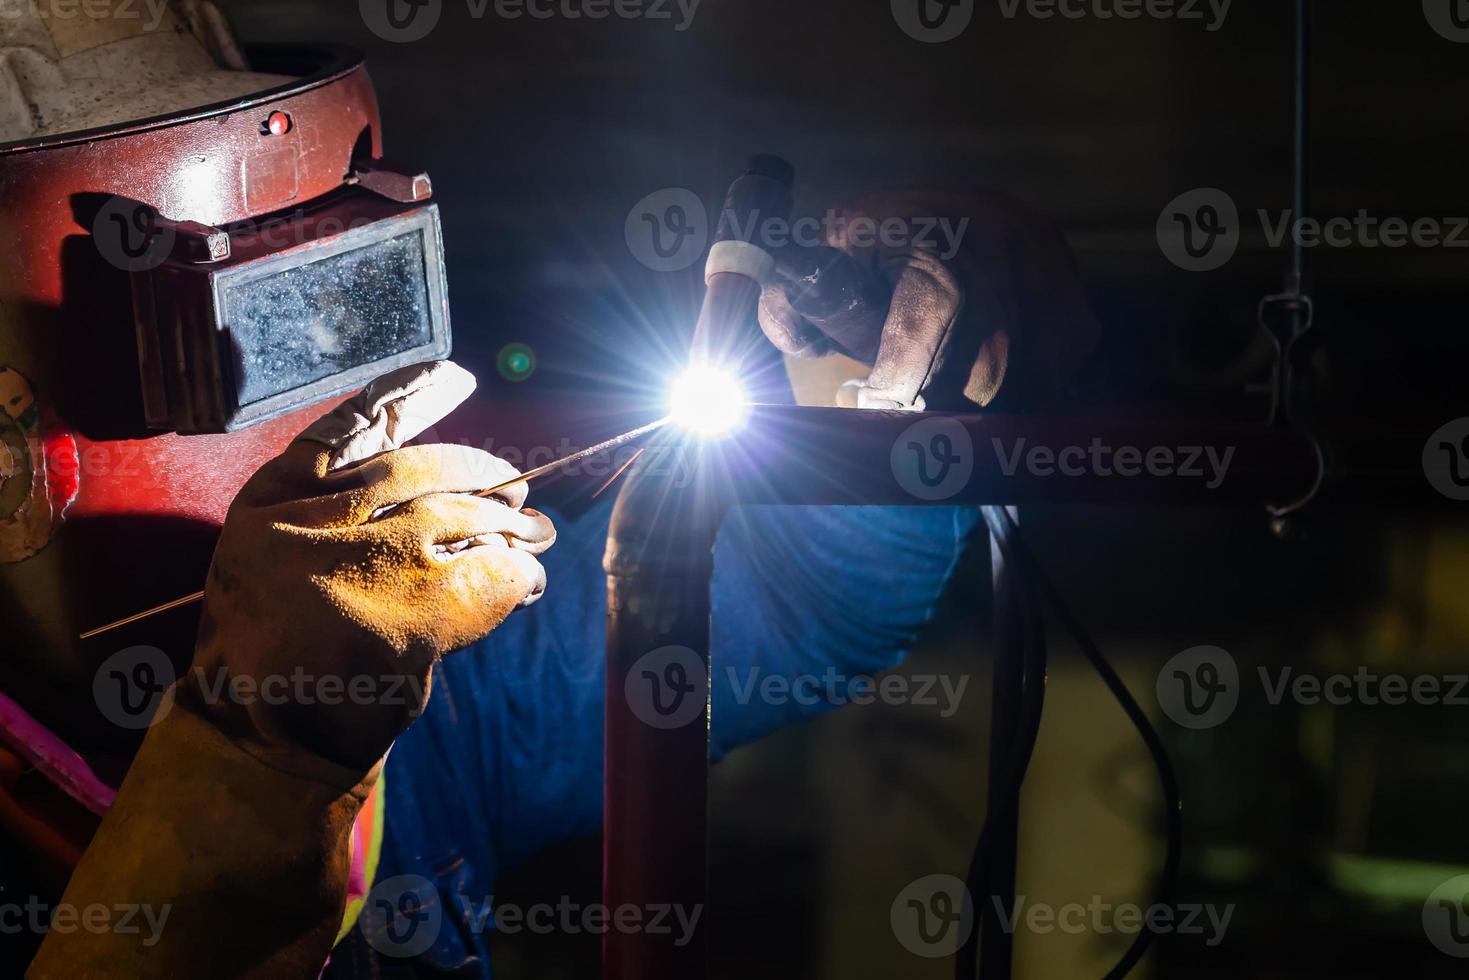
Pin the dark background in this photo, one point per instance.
(541, 135)
(1321, 825)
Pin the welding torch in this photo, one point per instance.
(841, 303)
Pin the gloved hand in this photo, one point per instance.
(985, 299)
(351, 561)
(347, 557)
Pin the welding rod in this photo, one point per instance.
(560, 464)
(555, 466)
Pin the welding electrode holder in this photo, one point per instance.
(843, 303)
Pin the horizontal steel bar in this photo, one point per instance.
(796, 455)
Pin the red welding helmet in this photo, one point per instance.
(183, 285)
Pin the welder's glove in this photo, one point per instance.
(359, 563)
(985, 299)
(346, 559)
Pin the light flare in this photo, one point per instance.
(707, 401)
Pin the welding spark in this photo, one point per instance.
(707, 401)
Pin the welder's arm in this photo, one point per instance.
(985, 300)
(347, 558)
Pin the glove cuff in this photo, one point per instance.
(235, 724)
(741, 259)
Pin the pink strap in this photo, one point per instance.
(54, 758)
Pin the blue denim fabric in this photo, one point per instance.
(508, 757)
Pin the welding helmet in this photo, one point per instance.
(203, 244)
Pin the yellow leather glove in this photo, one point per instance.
(348, 566)
(347, 557)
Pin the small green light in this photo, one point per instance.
(517, 362)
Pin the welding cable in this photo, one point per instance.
(1000, 819)
(1168, 780)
